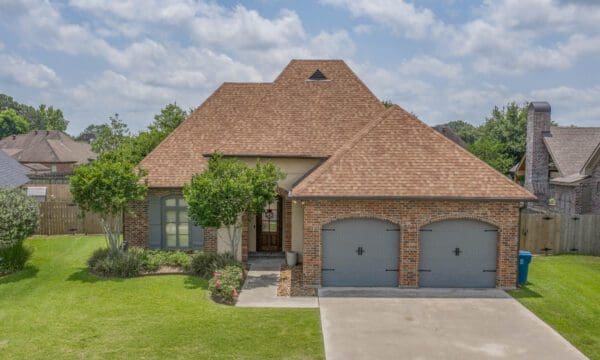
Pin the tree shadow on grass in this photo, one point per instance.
(195, 282)
(525, 292)
(83, 275)
(28, 272)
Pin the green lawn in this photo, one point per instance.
(564, 291)
(55, 310)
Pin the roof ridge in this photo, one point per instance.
(348, 145)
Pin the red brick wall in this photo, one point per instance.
(135, 223)
(287, 224)
(411, 215)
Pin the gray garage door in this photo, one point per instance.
(458, 253)
(360, 252)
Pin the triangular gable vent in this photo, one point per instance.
(317, 75)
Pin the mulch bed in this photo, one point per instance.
(291, 282)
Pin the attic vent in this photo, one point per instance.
(317, 75)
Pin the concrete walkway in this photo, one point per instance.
(434, 324)
(260, 288)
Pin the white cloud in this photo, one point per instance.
(571, 105)
(363, 29)
(402, 17)
(429, 65)
(508, 37)
(23, 72)
(241, 29)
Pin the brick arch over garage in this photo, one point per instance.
(411, 215)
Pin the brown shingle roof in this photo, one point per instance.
(396, 155)
(291, 116)
(571, 147)
(46, 146)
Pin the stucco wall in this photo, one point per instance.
(294, 168)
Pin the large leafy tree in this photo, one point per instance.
(12, 123)
(91, 132)
(111, 136)
(50, 118)
(466, 131)
(106, 187)
(169, 118)
(219, 196)
(42, 118)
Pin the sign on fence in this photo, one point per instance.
(560, 233)
(58, 217)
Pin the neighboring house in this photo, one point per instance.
(562, 164)
(450, 134)
(372, 197)
(50, 157)
(12, 174)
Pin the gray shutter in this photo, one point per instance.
(155, 223)
(196, 236)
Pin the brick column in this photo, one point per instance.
(311, 262)
(287, 224)
(210, 240)
(408, 268)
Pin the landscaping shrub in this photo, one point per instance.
(18, 216)
(13, 258)
(152, 260)
(206, 264)
(123, 264)
(226, 283)
(18, 220)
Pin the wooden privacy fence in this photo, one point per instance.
(58, 217)
(560, 233)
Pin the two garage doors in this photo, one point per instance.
(453, 253)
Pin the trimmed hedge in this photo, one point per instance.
(206, 264)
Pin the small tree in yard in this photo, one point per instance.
(227, 189)
(106, 187)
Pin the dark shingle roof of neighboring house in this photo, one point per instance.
(46, 146)
(571, 148)
(398, 156)
(450, 134)
(12, 174)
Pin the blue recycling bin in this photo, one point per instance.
(524, 260)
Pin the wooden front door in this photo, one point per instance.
(268, 228)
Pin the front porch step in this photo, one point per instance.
(263, 255)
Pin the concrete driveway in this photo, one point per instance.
(435, 324)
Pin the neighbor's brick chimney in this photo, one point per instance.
(536, 154)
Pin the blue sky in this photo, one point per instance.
(441, 59)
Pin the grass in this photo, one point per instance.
(564, 291)
(54, 309)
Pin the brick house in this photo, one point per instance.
(49, 157)
(372, 196)
(561, 164)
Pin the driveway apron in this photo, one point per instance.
(434, 324)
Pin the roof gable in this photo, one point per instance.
(396, 155)
(46, 146)
(291, 116)
(571, 147)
